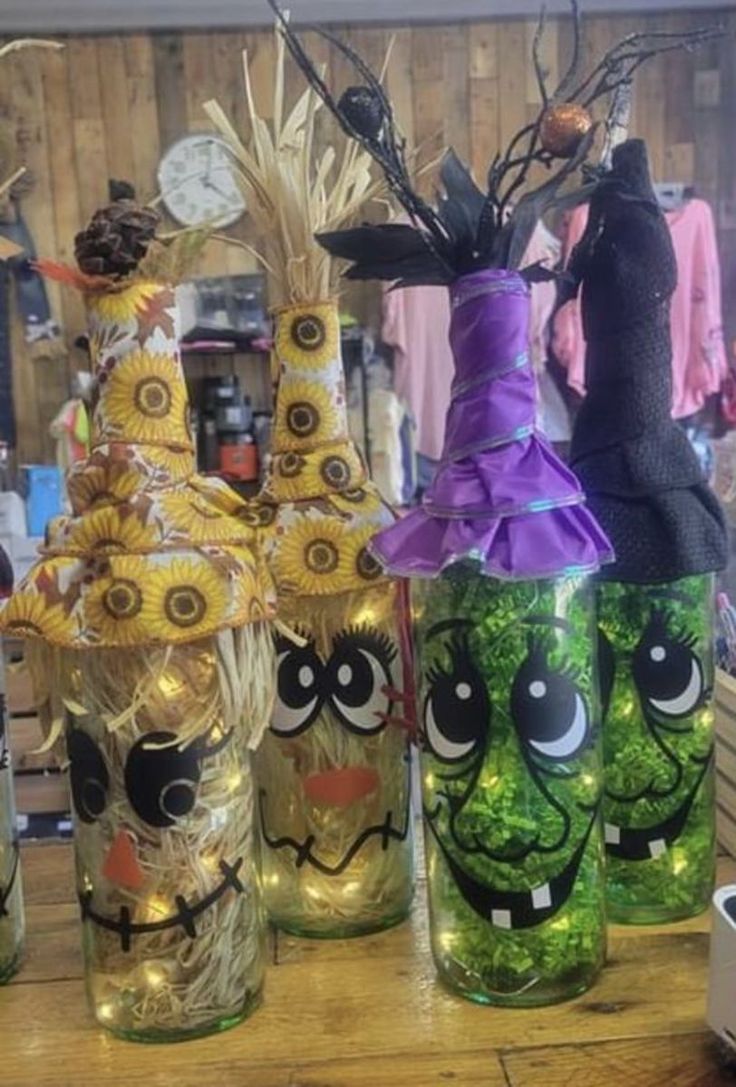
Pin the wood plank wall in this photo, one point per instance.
(108, 105)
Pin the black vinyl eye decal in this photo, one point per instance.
(299, 684)
(456, 710)
(161, 782)
(359, 679)
(668, 675)
(548, 708)
(606, 671)
(89, 777)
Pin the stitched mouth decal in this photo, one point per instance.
(515, 909)
(185, 916)
(649, 843)
(304, 850)
(5, 894)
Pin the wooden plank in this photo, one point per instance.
(455, 56)
(688, 1061)
(64, 191)
(119, 133)
(485, 101)
(168, 59)
(53, 948)
(41, 793)
(512, 68)
(143, 113)
(48, 873)
(88, 127)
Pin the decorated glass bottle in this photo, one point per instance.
(147, 618)
(333, 771)
(12, 921)
(508, 699)
(655, 603)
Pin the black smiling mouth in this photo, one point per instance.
(516, 909)
(649, 843)
(303, 850)
(5, 894)
(185, 914)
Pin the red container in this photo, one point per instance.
(239, 461)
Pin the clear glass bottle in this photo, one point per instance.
(334, 768)
(12, 922)
(173, 927)
(512, 781)
(334, 772)
(656, 662)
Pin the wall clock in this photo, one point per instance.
(197, 182)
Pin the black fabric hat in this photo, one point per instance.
(641, 476)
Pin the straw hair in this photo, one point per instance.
(291, 193)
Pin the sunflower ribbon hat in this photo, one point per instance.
(150, 554)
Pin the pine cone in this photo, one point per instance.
(116, 239)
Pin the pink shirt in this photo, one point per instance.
(416, 323)
(699, 362)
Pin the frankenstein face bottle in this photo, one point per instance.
(334, 769)
(508, 703)
(512, 782)
(656, 661)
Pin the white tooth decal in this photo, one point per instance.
(542, 897)
(657, 848)
(613, 834)
(501, 918)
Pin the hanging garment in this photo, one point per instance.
(40, 329)
(416, 324)
(699, 363)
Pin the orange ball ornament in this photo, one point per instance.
(563, 128)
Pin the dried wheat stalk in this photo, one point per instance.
(292, 193)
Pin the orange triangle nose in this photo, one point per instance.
(121, 864)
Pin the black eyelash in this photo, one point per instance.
(458, 648)
(671, 628)
(367, 637)
(542, 646)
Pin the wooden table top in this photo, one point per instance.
(367, 1013)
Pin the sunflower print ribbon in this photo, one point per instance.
(152, 553)
(317, 509)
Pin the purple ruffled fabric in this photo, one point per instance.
(501, 496)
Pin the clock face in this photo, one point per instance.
(197, 183)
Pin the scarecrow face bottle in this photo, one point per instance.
(147, 619)
(334, 769)
(172, 921)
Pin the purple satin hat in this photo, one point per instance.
(501, 496)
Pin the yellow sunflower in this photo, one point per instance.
(358, 502)
(172, 464)
(113, 605)
(120, 307)
(111, 529)
(331, 471)
(305, 416)
(143, 400)
(308, 337)
(309, 558)
(27, 615)
(184, 599)
(96, 485)
(190, 516)
(359, 561)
